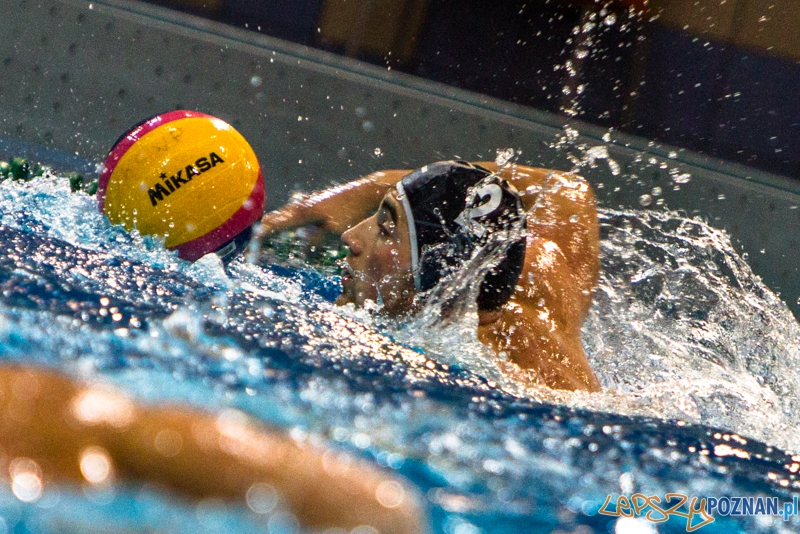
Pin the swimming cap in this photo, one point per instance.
(189, 177)
(454, 207)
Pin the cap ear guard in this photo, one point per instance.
(494, 207)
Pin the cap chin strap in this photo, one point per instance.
(232, 248)
(412, 232)
(226, 250)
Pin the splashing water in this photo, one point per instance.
(683, 329)
(680, 329)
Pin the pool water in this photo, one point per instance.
(697, 357)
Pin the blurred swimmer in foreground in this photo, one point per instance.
(53, 429)
(410, 231)
(193, 180)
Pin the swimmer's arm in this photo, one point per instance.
(539, 328)
(562, 211)
(334, 210)
(554, 358)
(337, 209)
(55, 422)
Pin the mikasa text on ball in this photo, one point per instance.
(187, 176)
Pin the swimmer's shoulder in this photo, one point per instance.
(519, 174)
(530, 181)
(563, 225)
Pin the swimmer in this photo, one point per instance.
(407, 231)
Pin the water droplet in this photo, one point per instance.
(362, 441)
(656, 191)
(378, 153)
(261, 498)
(390, 494)
(26, 479)
(95, 465)
(504, 156)
(645, 200)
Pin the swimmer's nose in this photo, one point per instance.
(349, 239)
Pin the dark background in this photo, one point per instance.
(719, 78)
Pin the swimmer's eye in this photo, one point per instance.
(385, 224)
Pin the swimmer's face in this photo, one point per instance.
(379, 263)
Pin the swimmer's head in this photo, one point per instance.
(187, 177)
(428, 228)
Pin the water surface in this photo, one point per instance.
(683, 336)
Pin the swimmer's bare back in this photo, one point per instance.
(539, 328)
(63, 431)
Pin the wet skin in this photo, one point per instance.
(539, 327)
(57, 430)
(378, 267)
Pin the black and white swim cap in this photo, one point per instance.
(454, 207)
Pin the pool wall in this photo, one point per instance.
(74, 75)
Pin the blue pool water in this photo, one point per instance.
(682, 335)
